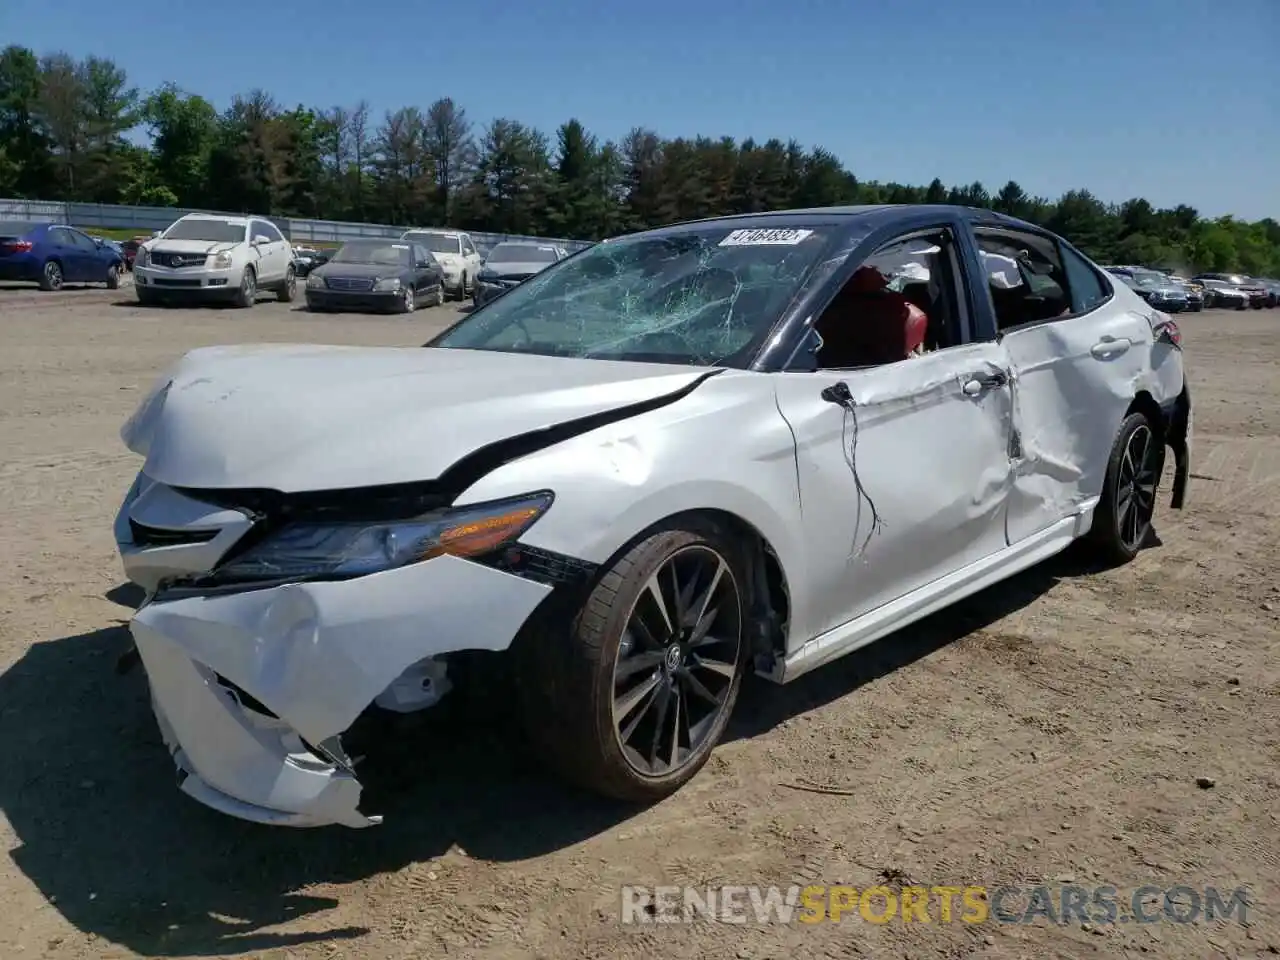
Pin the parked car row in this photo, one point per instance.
(1172, 293)
(1257, 293)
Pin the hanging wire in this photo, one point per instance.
(849, 446)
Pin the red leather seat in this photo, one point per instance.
(868, 324)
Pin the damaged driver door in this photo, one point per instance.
(903, 473)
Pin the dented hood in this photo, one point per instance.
(296, 418)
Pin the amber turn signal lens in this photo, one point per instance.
(477, 537)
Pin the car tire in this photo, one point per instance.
(437, 299)
(51, 278)
(113, 277)
(631, 699)
(289, 289)
(408, 301)
(247, 294)
(1123, 518)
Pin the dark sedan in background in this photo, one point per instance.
(376, 275)
(511, 263)
(1272, 288)
(1257, 293)
(1195, 291)
(306, 259)
(1224, 296)
(1155, 288)
(52, 254)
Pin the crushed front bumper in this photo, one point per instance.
(251, 690)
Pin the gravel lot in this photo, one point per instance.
(1052, 728)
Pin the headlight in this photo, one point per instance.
(310, 550)
(391, 283)
(142, 258)
(222, 259)
(315, 282)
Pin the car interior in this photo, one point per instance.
(898, 304)
(1041, 293)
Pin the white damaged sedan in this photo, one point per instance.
(755, 443)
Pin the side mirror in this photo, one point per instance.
(155, 234)
(261, 239)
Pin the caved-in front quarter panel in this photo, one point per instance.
(723, 447)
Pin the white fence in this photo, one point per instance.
(104, 216)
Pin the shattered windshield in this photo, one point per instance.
(707, 295)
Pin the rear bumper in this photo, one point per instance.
(23, 267)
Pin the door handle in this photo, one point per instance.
(980, 382)
(837, 393)
(1109, 347)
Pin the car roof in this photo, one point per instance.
(870, 215)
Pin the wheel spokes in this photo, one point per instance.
(654, 589)
(667, 698)
(627, 703)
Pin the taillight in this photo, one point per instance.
(1167, 332)
(16, 246)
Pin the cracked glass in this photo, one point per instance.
(705, 296)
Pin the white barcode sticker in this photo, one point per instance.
(781, 237)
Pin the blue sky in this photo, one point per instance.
(1174, 100)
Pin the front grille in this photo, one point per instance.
(145, 536)
(349, 284)
(160, 258)
(176, 282)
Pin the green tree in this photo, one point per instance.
(184, 129)
(27, 170)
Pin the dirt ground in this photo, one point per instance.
(1050, 730)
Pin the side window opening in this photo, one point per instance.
(1025, 277)
(1087, 289)
(900, 303)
